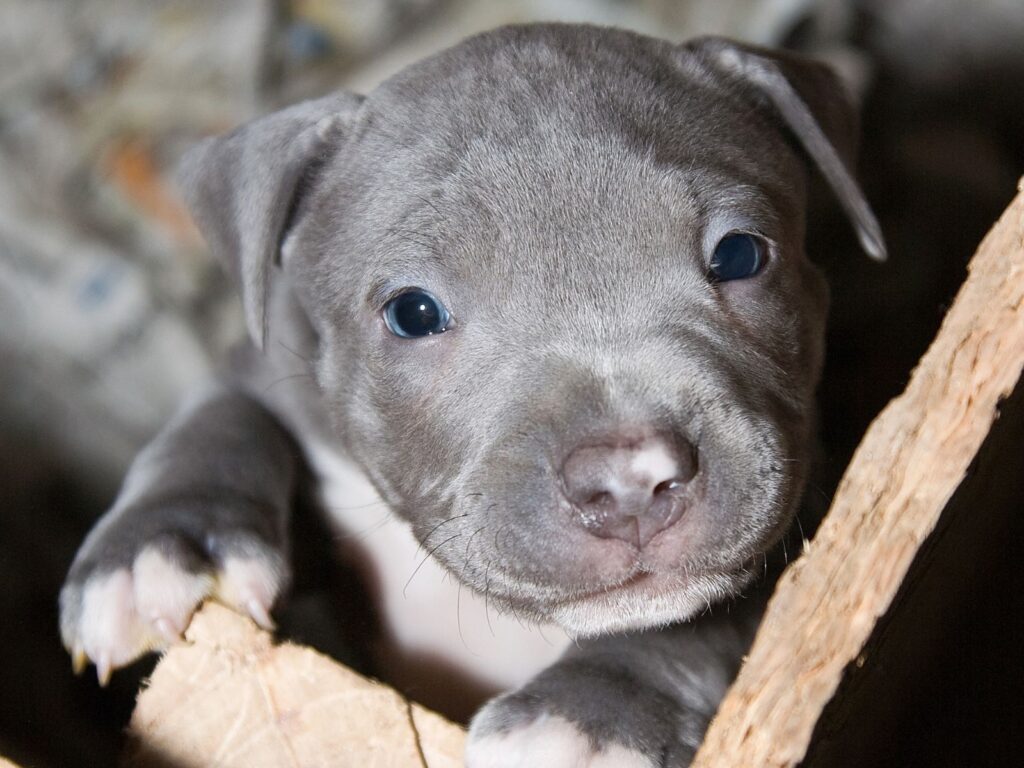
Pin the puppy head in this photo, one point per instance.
(566, 321)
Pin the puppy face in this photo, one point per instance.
(567, 225)
(589, 422)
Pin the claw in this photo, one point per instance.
(103, 669)
(259, 614)
(79, 660)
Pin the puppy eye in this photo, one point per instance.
(416, 313)
(738, 255)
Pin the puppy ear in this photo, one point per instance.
(814, 104)
(243, 187)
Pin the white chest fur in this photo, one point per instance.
(426, 613)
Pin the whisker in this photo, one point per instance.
(287, 378)
(470, 542)
(427, 201)
(544, 637)
(289, 349)
(512, 608)
(487, 596)
(458, 619)
(424, 560)
(820, 491)
(497, 536)
(365, 532)
(353, 507)
(803, 536)
(425, 539)
(507, 531)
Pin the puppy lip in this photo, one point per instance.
(636, 577)
(640, 578)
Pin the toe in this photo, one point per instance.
(550, 741)
(251, 584)
(109, 630)
(166, 594)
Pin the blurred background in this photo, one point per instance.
(110, 308)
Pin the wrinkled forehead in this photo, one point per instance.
(488, 104)
(536, 211)
(506, 183)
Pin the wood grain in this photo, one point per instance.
(905, 470)
(229, 697)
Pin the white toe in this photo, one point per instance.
(166, 594)
(127, 613)
(617, 756)
(250, 585)
(548, 741)
(109, 630)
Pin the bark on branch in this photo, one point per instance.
(905, 470)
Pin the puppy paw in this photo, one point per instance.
(140, 576)
(549, 740)
(584, 715)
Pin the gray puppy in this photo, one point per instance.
(553, 288)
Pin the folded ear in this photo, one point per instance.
(243, 187)
(814, 104)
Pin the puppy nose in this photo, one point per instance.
(629, 489)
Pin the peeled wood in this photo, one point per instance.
(905, 470)
(230, 697)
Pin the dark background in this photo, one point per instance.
(110, 309)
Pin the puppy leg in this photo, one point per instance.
(629, 701)
(203, 513)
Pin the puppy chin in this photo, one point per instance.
(651, 601)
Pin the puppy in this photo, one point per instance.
(552, 288)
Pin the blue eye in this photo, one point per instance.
(737, 255)
(416, 313)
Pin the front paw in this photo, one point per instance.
(550, 741)
(580, 714)
(143, 571)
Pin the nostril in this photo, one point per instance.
(689, 462)
(599, 499)
(666, 486)
(630, 488)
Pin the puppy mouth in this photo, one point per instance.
(635, 580)
(646, 599)
(644, 581)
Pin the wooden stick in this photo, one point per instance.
(230, 697)
(905, 470)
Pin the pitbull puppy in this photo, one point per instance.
(552, 287)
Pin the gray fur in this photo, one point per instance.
(560, 189)
(654, 692)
